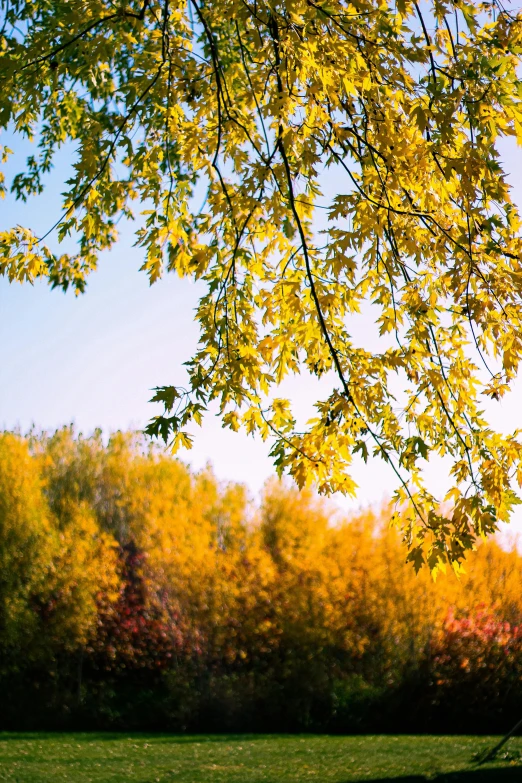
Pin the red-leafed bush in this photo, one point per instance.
(141, 630)
(477, 663)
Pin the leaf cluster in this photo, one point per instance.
(349, 153)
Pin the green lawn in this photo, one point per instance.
(140, 758)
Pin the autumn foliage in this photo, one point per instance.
(135, 593)
(335, 177)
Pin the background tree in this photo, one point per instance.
(53, 566)
(190, 608)
(349, 157)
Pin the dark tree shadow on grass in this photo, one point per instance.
(506, 775)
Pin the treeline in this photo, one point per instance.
(135, 594)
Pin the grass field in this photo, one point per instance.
(140, 758)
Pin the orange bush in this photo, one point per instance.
(121, 557)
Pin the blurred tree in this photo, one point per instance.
(128, 580)
(27, 545)
(53, 568)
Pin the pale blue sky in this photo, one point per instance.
(93, 359)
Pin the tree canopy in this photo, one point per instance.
(305, 159)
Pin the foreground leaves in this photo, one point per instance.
(349, 157)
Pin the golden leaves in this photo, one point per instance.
(349, 160)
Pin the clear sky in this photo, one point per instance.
(94, 359)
